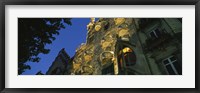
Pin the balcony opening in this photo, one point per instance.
(126, 59)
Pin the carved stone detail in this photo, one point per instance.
(97, 27)
(119, 21)
(123, 32)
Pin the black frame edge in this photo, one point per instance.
(102, 2)
(197, 44)
(2, 44)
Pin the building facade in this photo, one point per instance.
(61, 65)
(130, 46)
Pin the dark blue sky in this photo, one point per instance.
(69, 38)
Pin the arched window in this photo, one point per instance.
(126, 58)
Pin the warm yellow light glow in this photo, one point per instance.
(76, 66)
(97, 27)
(123, 32)
(126, 49)
(92, 20)
(119, 21)
(88, 58)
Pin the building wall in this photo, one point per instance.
(170, 45)
(103, 51)
(60, 65)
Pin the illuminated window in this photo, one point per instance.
(126, 50)
(127, 58)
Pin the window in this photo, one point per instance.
(172, 66)
(155, 33)
(126, 58)
(129, 56)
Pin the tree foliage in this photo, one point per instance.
(33, 35)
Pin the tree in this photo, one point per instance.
(33, 35)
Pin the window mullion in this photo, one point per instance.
(172, 65)
(155, 33)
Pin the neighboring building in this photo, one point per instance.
(61, 64)
(127, 46)
(161, 40)
(39, 73)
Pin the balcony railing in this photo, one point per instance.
(157, 43)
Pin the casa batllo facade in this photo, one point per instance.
(130, 46)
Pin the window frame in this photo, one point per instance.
(170, 63)
(155, 33)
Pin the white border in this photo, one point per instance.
(187, 80)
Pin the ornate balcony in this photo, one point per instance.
(107, 57)
(157, 43)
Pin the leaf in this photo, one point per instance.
(67, 21)
(33, 35)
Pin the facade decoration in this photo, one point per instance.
(129, 46)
